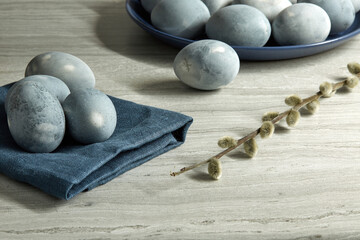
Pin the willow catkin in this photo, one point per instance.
(267, 129)
(269, 116)
(214, 168)
(226, 142)
(293, 100)
(313, 106)
(352, 81)
(250, 147)
(293, 118)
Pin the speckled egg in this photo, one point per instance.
(341, 13)
(301, 23)
(54, 85)
(207, 64)
(270, 8)
(214, 5)
(356, 4)
(71, 70)
(240, 25)
(148, 5)
(90, 114)
(185, 18)
(35, 118)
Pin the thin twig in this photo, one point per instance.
(253, 134)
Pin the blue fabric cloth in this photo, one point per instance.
(142, 133)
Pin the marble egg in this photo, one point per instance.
(35, 118)
(185, 18)
(341, 13)
(71, 70)
(240, 25)
(90, 115)
(270, 8)
(207, 64)
(214, 5)
(301, 23)
(148, 5)
(54, 85)
(356, 4)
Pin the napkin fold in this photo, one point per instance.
(142, 133)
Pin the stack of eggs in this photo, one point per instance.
(58, 88)
(248, 23)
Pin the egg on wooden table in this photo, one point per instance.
(90, 115)
(35, 118)
(240, 25)
(207, 64)
(74, 72)
(341, 13)
(214, 5)
(54, 85)
(185, 18)
(301, 23)
(270, 8)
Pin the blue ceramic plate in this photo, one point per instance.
(270, 52)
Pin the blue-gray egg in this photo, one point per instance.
(341, 13)
(214, 5)
(270, 8)
(356, 4)
(207, 64)
(240, 25)
(148, 5)
(90, 115)
(185, 18)
(301, 23)
(54, 85)
(35, 118)
(70, 69)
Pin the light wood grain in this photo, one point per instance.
(304, 183)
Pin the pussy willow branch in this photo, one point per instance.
(253, 134)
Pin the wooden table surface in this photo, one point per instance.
(303, 184)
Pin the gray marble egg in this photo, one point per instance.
(207, 64)
(90, 115)
(148, 5)
(185, 18)
(270, 8)
(240, 25)
(356, 4)
(341, 13)
(214, 5)
(54, 85)
(301, 23)
(35, 118)
(70, 69)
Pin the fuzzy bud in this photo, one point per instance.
(354, 68)
(326, 89)
(214, 168)
(293, 118)
(251, 147)
(352, 82)
(269, 116)
(293, 100)
(313, 106)
(267, 129)
(226, 142)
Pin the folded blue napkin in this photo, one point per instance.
(142, 133)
